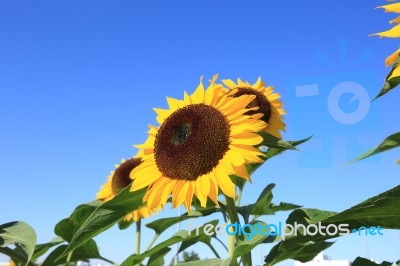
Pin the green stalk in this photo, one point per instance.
(234, 217)
(152, 242)
(138, 231)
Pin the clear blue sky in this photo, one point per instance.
(79, 79)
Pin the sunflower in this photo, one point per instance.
(201, 140)
(119, 179)
(270, 108)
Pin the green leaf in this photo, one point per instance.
(89, 220)
(84, 252)
(298, 251)
(262, 205)
(43, 248)
(163, 224)
(250, 242)
(393, 141)
(16, 255)
(274, 142)
(158, 258)
(283, 206)
(278, 150)
(389, 84)
(208, 262)
(274, 151)
(19, 234)
(382, 210)
(124, 224)
(176, 238)
(365, 262)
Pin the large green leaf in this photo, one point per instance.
(163, 224)
(19, 234)
(84, 252)
(393, 141)
(89, 220)
(250, 242)
(298, 251)
(158, 258)
(43, 248)
(263, 202)
(176, 238)
(366, 262)
(382, 210)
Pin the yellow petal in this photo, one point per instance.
(242, 172)
(189, 197)
(391, 7)
(392, 33)
(395, 73)
(198, 94)
(144, 175)
(229, 83)
(391, 59)
(224, 182)
(202, 189)
(247, 138)
(396, 20)
(213, 194)
(179, 193)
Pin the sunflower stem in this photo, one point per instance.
(69, 257)
(138, 231)
(233, 218)
(152, 241)
(239, 196)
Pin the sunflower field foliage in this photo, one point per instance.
(201, 155)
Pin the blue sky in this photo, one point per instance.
(79, 79)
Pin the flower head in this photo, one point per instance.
(201, 140)
(119, 179)
(270, 108)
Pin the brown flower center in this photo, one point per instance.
(264, 106)
(191, 142)
(121, 178)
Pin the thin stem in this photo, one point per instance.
(234, 217)
(107, 260)
(138, 231)
(152, 241)
(239, 196)
(222, 243)
(214, 251)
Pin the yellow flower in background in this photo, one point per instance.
(119, 179)
(201, 140)
(266, 100)
(12, 263)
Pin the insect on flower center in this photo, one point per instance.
(264, 106)
(181, 134)
(191, 142)
(121, 177)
